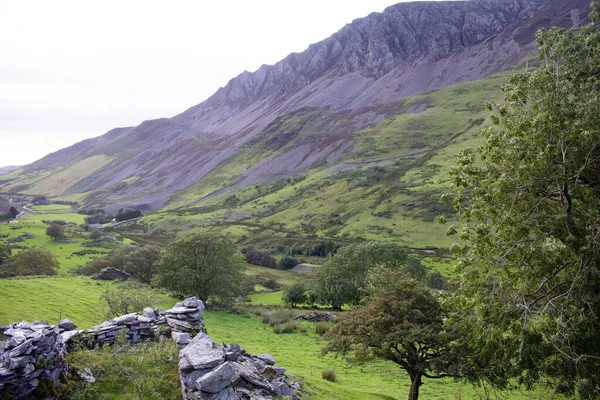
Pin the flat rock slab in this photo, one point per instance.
(218, 379)
(203, 353)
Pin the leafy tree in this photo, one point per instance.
(35, 261)
(295, 294)
(402, 322)
(207, 265)
(529, 200)
(127, 297)
(55, 231)
(139, 262)
(342, 278)
(5, 253)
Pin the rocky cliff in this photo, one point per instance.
(408, 49)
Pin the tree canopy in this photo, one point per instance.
(402, 322)
(342, 279)
(55, 231)
(529, 244)
(35, 261)
(206, 265)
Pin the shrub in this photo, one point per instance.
(287, 262)
(295, 294)
(55, 231)
(280, 317)
(329, 374)
(288, 327)
(35, 261)
(260, 257)
(321, 328)
(436, 280)
(126, 298)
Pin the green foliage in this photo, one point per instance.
(259, 257)
(127, 297)
(342, 279)
(34, 261)
(206, 265)
(436, 280)
(123, 371)
(322, 328)
(529, 247)
(402, 322)
(5, 253)
(55, 231)
(329, 374)
(295, 294)
(139, 262)
(98, 218)
(286, 327)
(287, 262)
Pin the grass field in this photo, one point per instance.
(31, 223)
(53, 298)
(301, 355)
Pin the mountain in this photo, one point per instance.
(8, 169)
(350, 101)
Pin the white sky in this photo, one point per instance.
(71, 70)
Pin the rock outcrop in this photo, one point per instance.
(112, 274)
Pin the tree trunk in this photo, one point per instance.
(415, 384)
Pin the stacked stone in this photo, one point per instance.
(34, 353)
(185, 320)
(209, 371)
(136, 327)
(178, 322)
(316, 316)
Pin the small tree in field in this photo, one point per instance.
(401, 322)
(35, 261)
(127, 297)
(55, 231)
(295, 294)
(206, 265)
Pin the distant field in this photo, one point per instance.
(32, 223)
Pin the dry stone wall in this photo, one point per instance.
(34, 356)
(211, 372)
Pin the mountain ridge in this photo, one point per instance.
(371, 62)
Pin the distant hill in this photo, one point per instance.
(348, 114)
(8, 169)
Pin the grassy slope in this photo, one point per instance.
(300, 354)
(398, 200)
(393, 195)
(53, 298)
(56, 182)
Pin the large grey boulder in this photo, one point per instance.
(110, 274)
(202, 353)
(218, 379)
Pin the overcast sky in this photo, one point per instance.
(71, 70)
